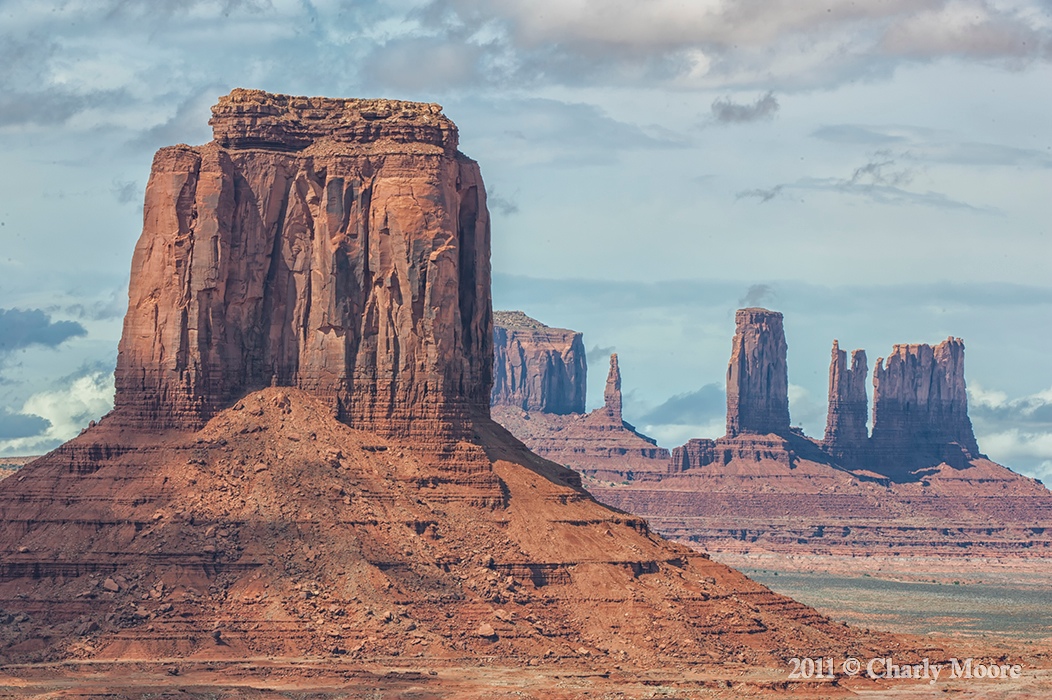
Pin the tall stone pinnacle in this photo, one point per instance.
(846, 432)
(757, 377)
(612, 393)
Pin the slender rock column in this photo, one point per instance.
(846, 434)
(757, 377)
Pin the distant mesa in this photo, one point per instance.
(758, 375)
(918, 483)
(920, 409)
(599, 444)
(535, 367)
(920, 413)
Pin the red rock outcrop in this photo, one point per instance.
(536, 367)
(920, 409)
(337, 246)
(694, 454)
(846, 433)
(276, 530)
(758, 376)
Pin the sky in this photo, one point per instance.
(879, 171)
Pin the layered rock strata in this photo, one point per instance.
(337, 246)
(757, 376)
(536, 367)
(846, 433)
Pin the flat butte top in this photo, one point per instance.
(254, 119)
(519, 321)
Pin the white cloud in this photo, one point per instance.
(978, 396)
(672, 435)
(1026, 452)
(718, 42)
(1016, 432)
(974, 29)
(69, 410)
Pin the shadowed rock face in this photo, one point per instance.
(757, 377)
(920, 408)
(337, 246)
(846, 432)
(536, 367)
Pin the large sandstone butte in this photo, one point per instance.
(363, 508)
(536, 367)
(918, 486)
(337, 246)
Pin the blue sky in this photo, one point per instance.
(879, 171)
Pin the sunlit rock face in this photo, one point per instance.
(339, 246)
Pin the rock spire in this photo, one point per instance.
(757, 377)
(612, 392)
(846, 432)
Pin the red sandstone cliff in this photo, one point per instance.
(338, 246)
(920, 409)
(536, 367)
(757, 376)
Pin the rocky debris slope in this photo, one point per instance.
(278, 531)
(536, 367)
(337, 246)
(361, 508)
(599, 445)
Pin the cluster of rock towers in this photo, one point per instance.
(920, 411)
(920, 406)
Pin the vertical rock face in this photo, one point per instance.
(920, 407)
(694, 454)
(338, 246)
(536, 367)
(846, 431)
(757, 378)
(612, 392)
